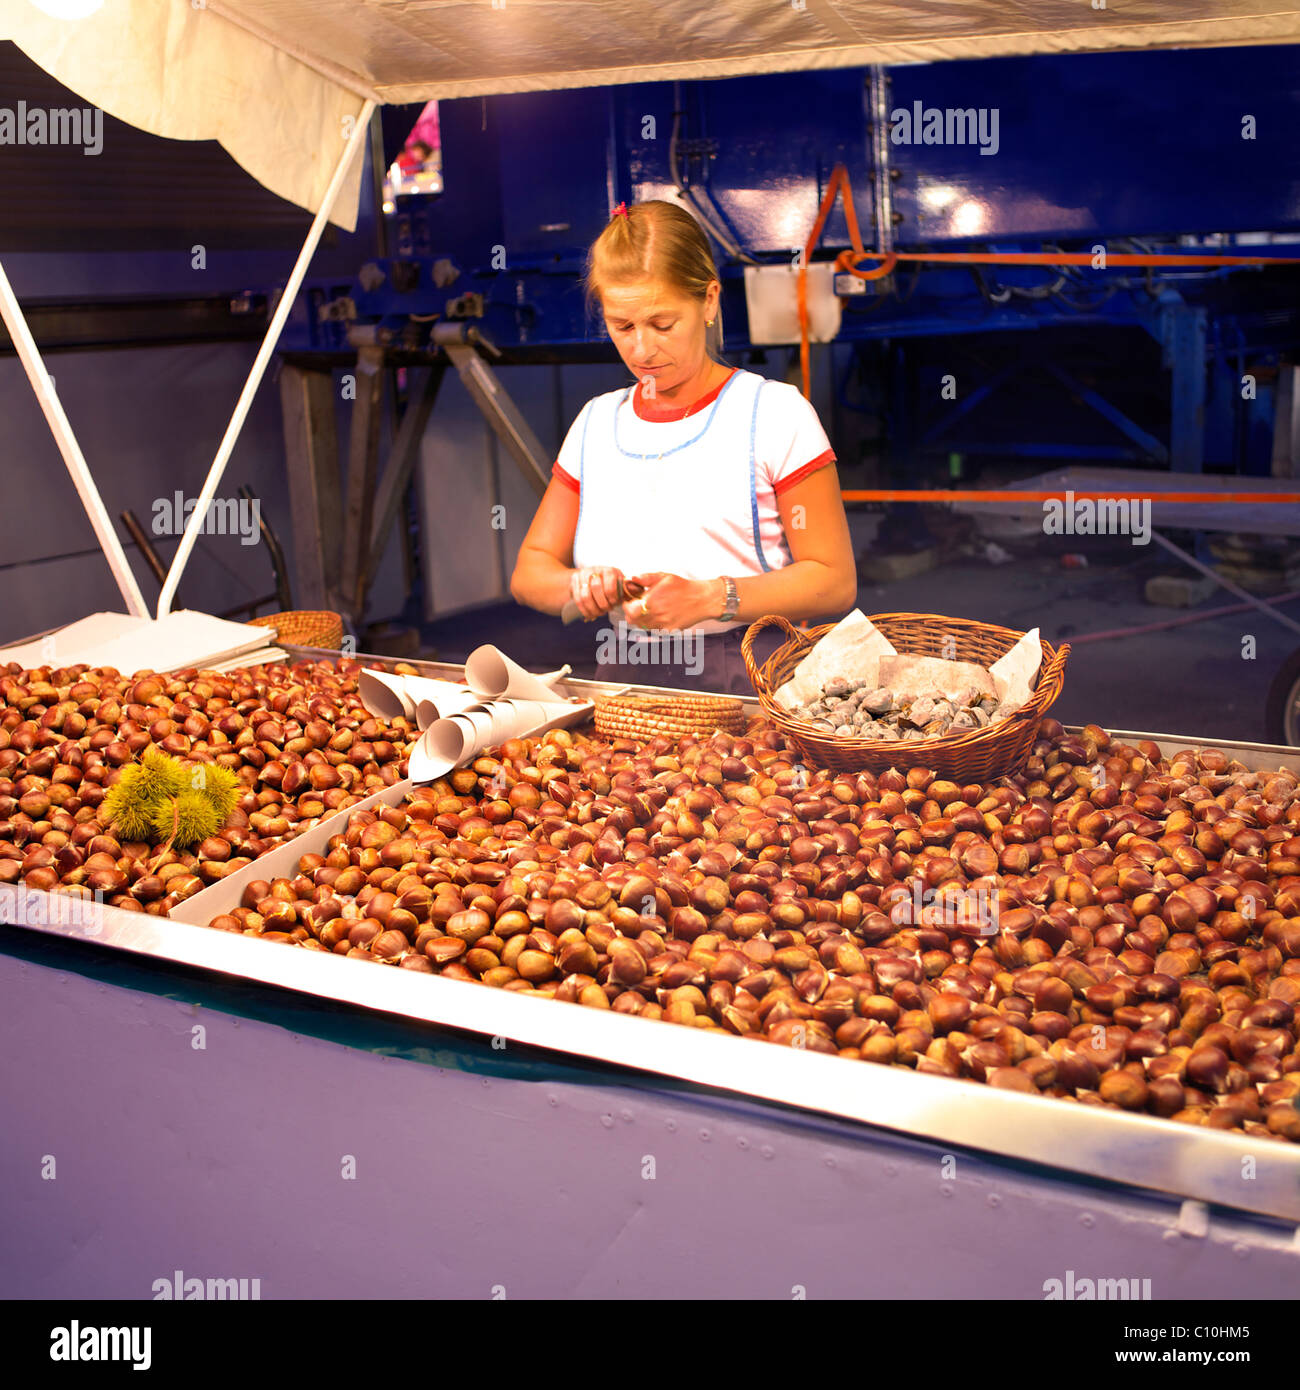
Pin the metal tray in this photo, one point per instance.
(1220, 1167)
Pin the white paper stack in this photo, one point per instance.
(129, 644)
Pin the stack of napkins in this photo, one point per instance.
(129, 644)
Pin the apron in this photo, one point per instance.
(625, 510)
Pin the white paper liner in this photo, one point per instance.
(1014, 672)
(857, 650)
(852, 648)
(934, 675)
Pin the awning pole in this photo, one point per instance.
(358, 138)
(43, 386)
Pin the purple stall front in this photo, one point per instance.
(185, 1107)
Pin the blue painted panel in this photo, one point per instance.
(237, 1161)
(774, 141)
(1107, 144)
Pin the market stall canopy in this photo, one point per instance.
(277, 81)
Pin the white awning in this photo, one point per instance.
(275, 81)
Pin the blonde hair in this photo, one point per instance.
(659, 241)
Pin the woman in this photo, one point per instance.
(694, 501)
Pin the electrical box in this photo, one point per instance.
(771, 296)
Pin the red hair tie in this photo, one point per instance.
(620, 211)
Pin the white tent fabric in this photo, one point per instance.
(275, 80)
(186, 73)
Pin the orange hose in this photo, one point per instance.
(847, 261)
(1058, 494)
(1111, 258)
(839, 179)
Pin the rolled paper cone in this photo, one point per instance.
(528, 715)
(505, 719)
(480, 724)
(432, 688)
(449, 742)
(384, 695)
(428, 712)
(540, 715)
(492, 673)
(428, 760)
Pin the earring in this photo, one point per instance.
(708, 323)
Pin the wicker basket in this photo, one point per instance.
(977, 756)
(306, 627)
(649, 716)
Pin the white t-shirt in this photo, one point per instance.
(695, 496)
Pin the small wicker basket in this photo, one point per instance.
(977, 756)
(649, 716)
(306, 627)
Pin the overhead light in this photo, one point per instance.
(937, 196)
(68, 9)
(969, 219)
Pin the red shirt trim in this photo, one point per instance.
(658, 414)
(800, 474)
(567, 479)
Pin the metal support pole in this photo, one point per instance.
(397, 475)
(1253, 599)
(1183, 337)
(363, 469)
(43, 386)
(360, 134)
(499, 410)
(311, 451)
(882, 174)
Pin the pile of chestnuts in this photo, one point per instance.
(853, 709)
(1143, 952)
(297, 736)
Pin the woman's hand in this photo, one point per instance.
(672, 603)
(596, 590)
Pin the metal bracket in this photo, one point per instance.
(1194, 1219)
(340, 310)
(466, 306)
(884, 217)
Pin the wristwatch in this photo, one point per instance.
(732, 603)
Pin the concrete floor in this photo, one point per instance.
(1191, 680)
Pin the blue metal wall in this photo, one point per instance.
(1130, 150)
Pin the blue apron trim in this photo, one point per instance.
(753, 479)
(686, 444)
(582, 491)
